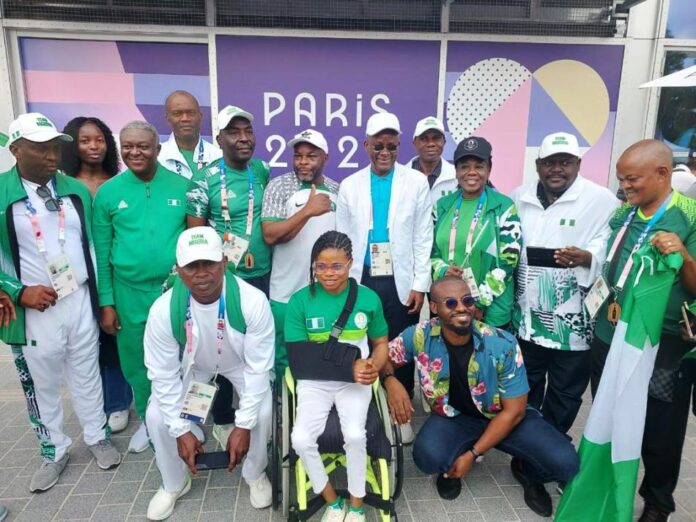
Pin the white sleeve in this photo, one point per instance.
(259, 355)
(164, 367)
(342, 210)
(422, 238)
(597, 246)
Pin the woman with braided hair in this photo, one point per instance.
(311, 314)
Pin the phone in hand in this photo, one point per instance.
(537, 256)
(213, 460)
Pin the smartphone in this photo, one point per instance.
(213, 460)
(537, 256)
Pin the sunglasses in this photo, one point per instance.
(452, 302)
(52, 204)
(379, 147)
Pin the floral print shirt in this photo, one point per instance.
(496, 369)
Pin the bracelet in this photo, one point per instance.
(385, 377)
(476, 453)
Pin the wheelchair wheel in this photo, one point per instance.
(393, 431)
(275, 450)
(285, 448)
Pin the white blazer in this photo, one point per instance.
(170, 156)
(446, 182)
(410, 225)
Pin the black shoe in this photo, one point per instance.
(535, 495)
(652, 514)
(448, 488)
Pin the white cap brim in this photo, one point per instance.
(296, 141)
(186, 258)
(43, 136)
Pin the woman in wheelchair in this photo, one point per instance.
(334, 306)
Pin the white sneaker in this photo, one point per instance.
(118, 421)
(221, 433)
(260, 492)
(407, 434)
(332, 514)
(139, 441)
(162, 504)
(198, 432)
(353, 516)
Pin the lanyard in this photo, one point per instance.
(33, 216)
(619, 239)
(224, 199)
(220, 329)
(472, 226)
(200, 158)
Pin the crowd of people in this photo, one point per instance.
(179, 286)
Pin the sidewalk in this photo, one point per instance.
(84, 492)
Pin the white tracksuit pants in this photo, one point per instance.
(64, 339)
(173, 469)
(314, 402)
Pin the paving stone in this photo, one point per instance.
(78, 506)
(430, 510)
(93, 483)
(220, 499)
(120, 493)
(111, 513)
(496, 509)
(131, 471)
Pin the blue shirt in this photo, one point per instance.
(495, 371)
(380, 189)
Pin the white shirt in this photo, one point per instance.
(683, 180)
(248, 356)
(31, 262)
(445, 183)
(551, 297)
(171, 158)
(284, 197)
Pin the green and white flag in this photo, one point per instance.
(604, 488)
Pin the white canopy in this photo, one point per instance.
(684, 78)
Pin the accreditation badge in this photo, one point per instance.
(468, 276)
(599, 292)
(234, 248)
(198, 401)
(380, 260)
(62, 276)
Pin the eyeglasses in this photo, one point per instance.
(52, 204)
(548, 163)
(321, 268)
(379, 147)
(452, 302)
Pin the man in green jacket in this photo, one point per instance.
(138, 215)
(46, 268)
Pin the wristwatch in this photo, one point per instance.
(386, 376)
(476, 454)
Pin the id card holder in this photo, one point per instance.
(599, 292)
(234, 248)
(62, 276)
(198, 401)
(468, 276)
(380, 260)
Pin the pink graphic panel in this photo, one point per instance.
(506, 129)
(78, 87)
(596, 160)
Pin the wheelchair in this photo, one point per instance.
(384, 449)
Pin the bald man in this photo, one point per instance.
(644, 172)
(185, 152)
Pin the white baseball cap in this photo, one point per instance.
(428, 123)
(381, 121)
(198, 244)
(559, 143)
(226, 115)
(36, 127)
(312, 137)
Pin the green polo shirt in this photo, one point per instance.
(204, 201)
(311, 317)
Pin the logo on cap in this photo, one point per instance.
(43, 122)
(306, 134)
(16, 134)
(559, 140)
(471, 144)
(198, 239)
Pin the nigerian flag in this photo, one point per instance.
(604, 488)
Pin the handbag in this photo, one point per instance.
(331, 360)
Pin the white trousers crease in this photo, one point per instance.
(314, 402)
